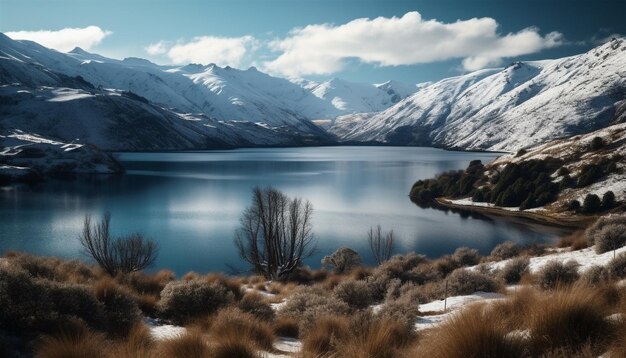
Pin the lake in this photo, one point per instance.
(190, 202)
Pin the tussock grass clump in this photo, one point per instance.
(232, 322)
(286, 327)
(138, 344)
(75, 342)
(233, 347)
(182, 301)
(568, 318)
(514, 270)
(120, 309)
(465, 282)
(576, 241)
(192, 344)
(255, 304)
(472, 332)
(356, 294)
(556, 273)
(505, 250)
(321, 339)
(308, 303)
(373, 337)
(147, 284)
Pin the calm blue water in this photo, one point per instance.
(190, 203)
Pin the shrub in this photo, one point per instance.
(573, 205)
(596, 275)
(120, 309)
(515, 269)
(465, 282)
(232, 322)
(184, 300)
(608, 200)
(609, 239)
(568, 318)
(76, 301)
(147, 284)
(465, 256)
(505, 250)
(308, 303)
(591, 204)
(596, 143)
(556, 273)
(355, 293)
(405, 308)
(473, 332)
(342, 260)
(617, 266)
(255, 304)
(427, 272)
(589, 174)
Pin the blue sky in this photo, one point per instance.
(359, 40)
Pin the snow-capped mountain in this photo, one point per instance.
(133, 104)
(523, 104)
(350, 98)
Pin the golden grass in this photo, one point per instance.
(192, 344)
(571, 317)
(374, 338)
(286, 327)
(473, 332)
(320, 339)
(138, 344)
(232, 322)
(75, 342)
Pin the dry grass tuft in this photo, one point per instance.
(232, 322)
(321, 339)
(473, 332)
(286, 327)
(570, 317)
(76, 342)
(138, 344)
(189, 345)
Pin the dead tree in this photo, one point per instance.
(119, 255)
(275, 233)
(380, 245)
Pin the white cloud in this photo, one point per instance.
(65, 39)
(207, 49)
(158, 48)
(323, 49)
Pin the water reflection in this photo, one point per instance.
(190, 202)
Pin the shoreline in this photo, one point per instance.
(572, 222)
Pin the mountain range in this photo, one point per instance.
(134, 104)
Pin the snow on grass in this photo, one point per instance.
(586, 258)
(161, 332)
(469, 202)
(453, 303)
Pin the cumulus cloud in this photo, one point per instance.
(158, 48)
(324, 48)
(65, 39)
(207, 49)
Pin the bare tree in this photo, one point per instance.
(275, 233)
(120, 255)
(380, 245)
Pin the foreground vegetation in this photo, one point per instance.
(56, 308)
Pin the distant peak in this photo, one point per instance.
(79, 51)
(253, 69)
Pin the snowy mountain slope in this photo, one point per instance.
(503, 109)
(349, 97)
(28, 157)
